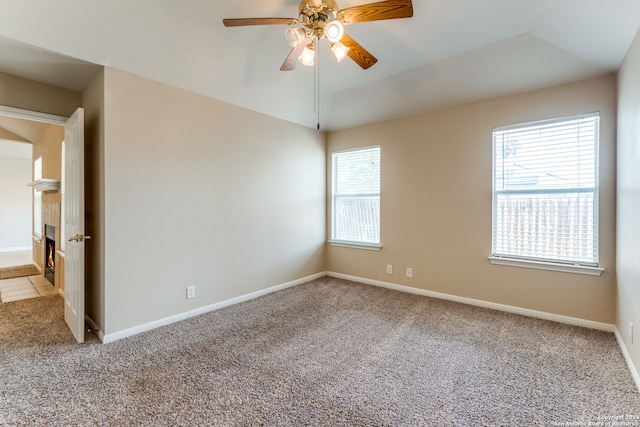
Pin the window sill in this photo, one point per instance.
(354, 245)
(541, 265)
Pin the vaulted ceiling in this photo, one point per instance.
(450, 52)
(20, 130)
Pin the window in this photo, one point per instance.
(37, 200)
(356, 197)
(545, 191)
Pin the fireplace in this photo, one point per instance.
(50, 253)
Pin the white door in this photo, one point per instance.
(74, 224)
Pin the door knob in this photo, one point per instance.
(79, 238)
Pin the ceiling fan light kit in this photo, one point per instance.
(333, 30)
(321, 19)
(294, 35)
(339, 50)
(308, 55)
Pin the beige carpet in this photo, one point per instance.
(19, 271)
(326, 353)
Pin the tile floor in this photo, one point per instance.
(25, 287)
(22, 287)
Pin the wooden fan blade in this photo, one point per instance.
(292, 60)
(359, 54)
(390, 9)
(241, 22)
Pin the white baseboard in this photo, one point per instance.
(627, 358)
(480, 303)
(107, 338)
(94, 326)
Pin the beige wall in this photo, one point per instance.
(15, 198)
(30, 95)
(628, 242)
(93, 103)
(436, 203)
(49, 146)
(199, 192)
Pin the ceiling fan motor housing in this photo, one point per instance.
(315, 18)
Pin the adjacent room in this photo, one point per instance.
(30, 215)
(261, 221)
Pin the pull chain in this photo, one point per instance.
(316, 84)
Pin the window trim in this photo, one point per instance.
(545, 265)
(63, 198)
(38, 220)
(355, 245)
(593, 269)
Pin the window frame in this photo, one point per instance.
(569, 266)
(334, 241)
(63, 199)
(38, 221)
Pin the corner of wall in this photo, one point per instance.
(93, 101)
(628, 206)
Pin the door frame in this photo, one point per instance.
(34, 116)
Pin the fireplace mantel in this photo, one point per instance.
(45, 184)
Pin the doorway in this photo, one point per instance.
(16, 200)
(24, 137)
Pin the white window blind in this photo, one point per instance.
(545, 191)
(356, 196)
(37, 200)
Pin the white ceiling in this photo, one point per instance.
(450, 52)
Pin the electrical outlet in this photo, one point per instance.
(389, 269)
(409, 272)
(631, 332)
(191, 292)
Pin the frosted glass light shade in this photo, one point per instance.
(333, 30)
(294, 36)
(307, 56)
(339, 50)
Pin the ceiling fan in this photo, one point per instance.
(319, 19)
